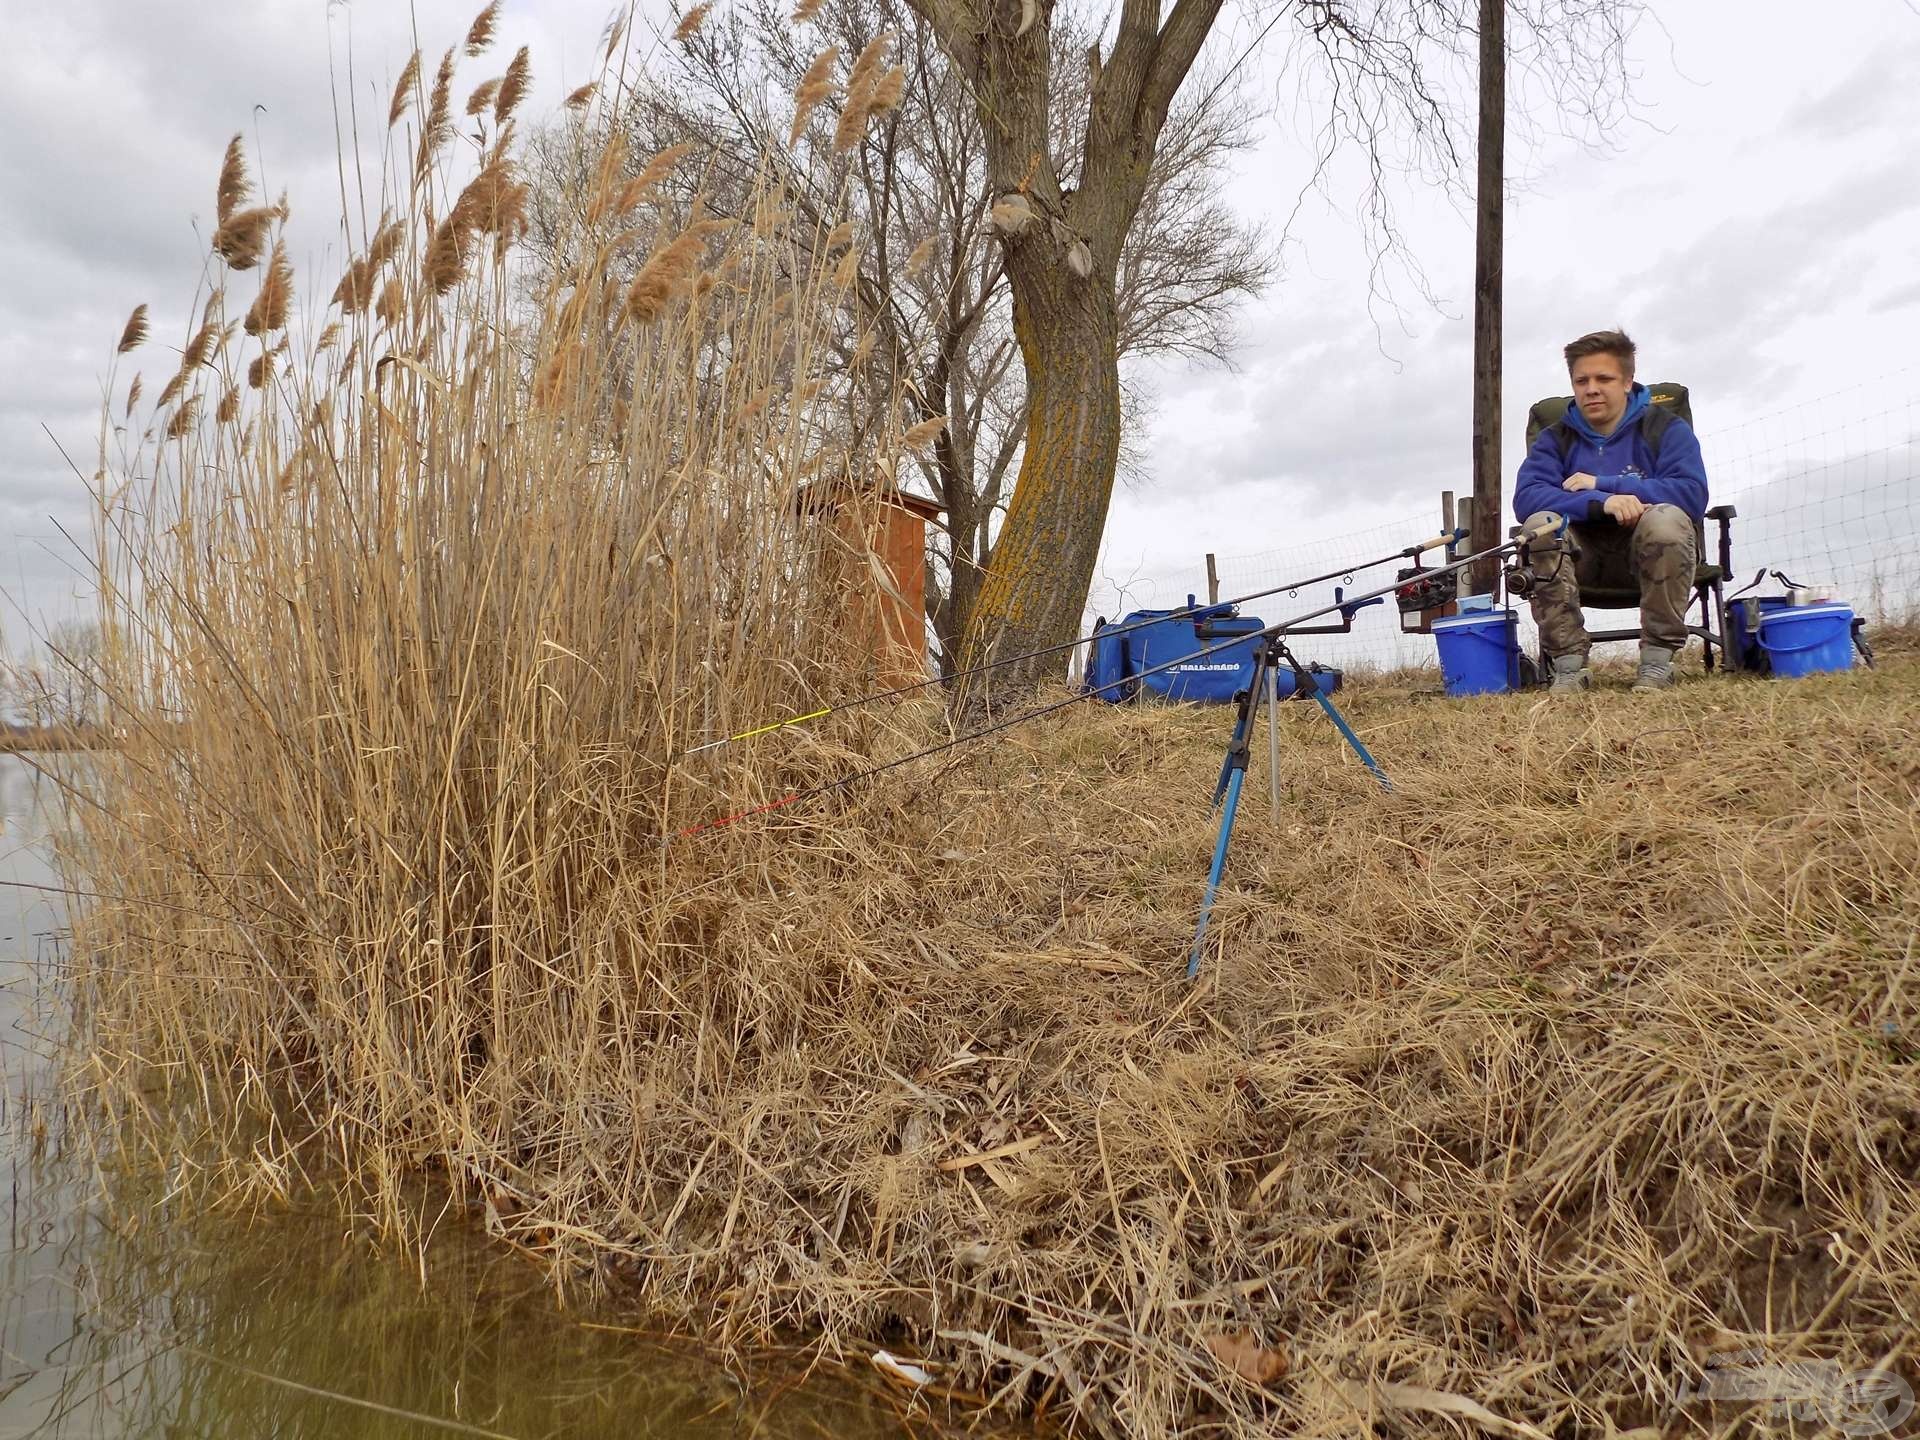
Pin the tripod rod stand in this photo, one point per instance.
(1264, 684)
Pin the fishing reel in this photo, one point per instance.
(1518, 575)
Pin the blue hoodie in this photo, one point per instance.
(1619, 464)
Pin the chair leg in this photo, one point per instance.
(1729, 652)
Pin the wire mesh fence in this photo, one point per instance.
(1827, 492)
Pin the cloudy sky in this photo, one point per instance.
(1757, 228)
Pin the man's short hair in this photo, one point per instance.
(1602, 342)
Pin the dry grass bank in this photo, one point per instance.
(1586, 1054)
(1586, 1051)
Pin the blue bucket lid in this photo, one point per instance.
(1804, 612)
(1473, 619)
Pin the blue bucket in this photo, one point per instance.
(1806, 639)
(1479, 652)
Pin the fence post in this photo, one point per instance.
(1213, 581)
(1488, 280)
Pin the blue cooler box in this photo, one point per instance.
(1479, 652)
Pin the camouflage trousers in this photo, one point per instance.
(1657, 555)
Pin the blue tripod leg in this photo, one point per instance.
(1352, 739)
(1236, 747)
(1233, 782)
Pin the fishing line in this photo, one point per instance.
(1271, 632)
(1290, 586)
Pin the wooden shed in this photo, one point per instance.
(886, 528)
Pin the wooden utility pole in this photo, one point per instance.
(1489, 243)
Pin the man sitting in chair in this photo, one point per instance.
(1633, 494)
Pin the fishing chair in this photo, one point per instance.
(1709, 590)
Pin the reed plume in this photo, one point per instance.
(403, 90)
(243, 237)
(918, 437)
(437, 128)
(513, 86)
(917, 259)
(886, 92)
(446, 258)
(392, 303)
(260, 370)
(480, 33)
(483, 96)
(234, 187)
(861, 89)
(229, 405)
(200, 348)
(866, 66)
(356, 286)
(691, 22)
(580, 98)
(816, 86)
(182, 419)
(135, 331)
(669, 269)
(806, 10)
(269, 309)
(133, 395)
(387, 241)
(657, 168)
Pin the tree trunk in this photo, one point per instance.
(1033, 594)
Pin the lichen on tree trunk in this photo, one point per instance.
(1043, 561)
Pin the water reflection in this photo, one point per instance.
(120, 1316)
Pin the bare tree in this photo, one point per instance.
(1380, 73)
(59, 686)
(933, 299)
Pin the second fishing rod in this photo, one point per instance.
(1275, 631)
(1410, 552)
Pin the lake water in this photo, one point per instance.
(136, 1319)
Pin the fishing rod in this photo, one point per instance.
(1272, 632)
(1292, 587)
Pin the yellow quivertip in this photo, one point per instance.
(763, 730)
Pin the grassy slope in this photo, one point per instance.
(1589, 1050)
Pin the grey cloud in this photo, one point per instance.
(1729, 290)
(1860, 99)
(1898, 299)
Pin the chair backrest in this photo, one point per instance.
(1669, 397)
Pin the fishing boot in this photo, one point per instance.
(1570, 675)
(1656, 668)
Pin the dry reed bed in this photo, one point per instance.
(1525, 1085)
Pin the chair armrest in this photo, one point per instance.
(1722, 512)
